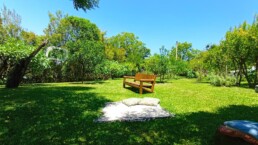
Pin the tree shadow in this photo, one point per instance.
(90, 82)
(136, 90)
(47, 115)
(246, 86)
(162, 82)
(243, 85)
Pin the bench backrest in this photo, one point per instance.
(139, 76)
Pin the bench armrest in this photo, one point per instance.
(129, 77)
(147, 80)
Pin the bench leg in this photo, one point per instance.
(140, 89)
(124, 82)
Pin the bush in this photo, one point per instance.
(191, 74)
(217, 81)
(230, 81)
(222, 81)
(199, 76)
(111, 69)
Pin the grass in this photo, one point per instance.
(63, 113)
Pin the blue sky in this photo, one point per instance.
(156, 23)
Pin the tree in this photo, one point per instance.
(184, 51)
(200, 65)
(254, 36)
(151, 64)
(3, 34)
(11, 51)
(30, 38)
(239, 48)
(158, 63)
(218, 60)
(163, 62)
(238, 52)
(17, 73)
(83, 62)
(53, 31)
(82, 39)
(127, 47)
(85, 4)
(11, 23)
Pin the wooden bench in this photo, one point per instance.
(142, 81)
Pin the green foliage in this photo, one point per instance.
(191, 74)
(227, 81)
(163, 63)
(179, 67)
(238, 51)
(85, 4)
(3, 34)
(15, 49)
(158, 63)
(30, 38)
(53, 29)
(12, 51)
(217, 80)
(112, 69)
(103, 70)
(83, 59)
(38, 65)
(200, 76)
(126, 47)
(151, 64)
(118, 70)
(184, 51)
(180, 57)
(230, 81)
(83, 41)
(11, 23)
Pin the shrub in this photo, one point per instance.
(111, 69)
(217, 80)
(199, 76)
(191, 74)
(230, 81)
(222, 81)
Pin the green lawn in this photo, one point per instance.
(63, 113)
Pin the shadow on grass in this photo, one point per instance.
(90, 82)
(246, 86)
(64, 115)
(162, 82)
(136, 90)
(243, 85)
(47, 115)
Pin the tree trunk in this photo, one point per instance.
(239, 75)
(246, 75)
(256, 71)
(83, 73)
(3, 68)
(16, 74)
